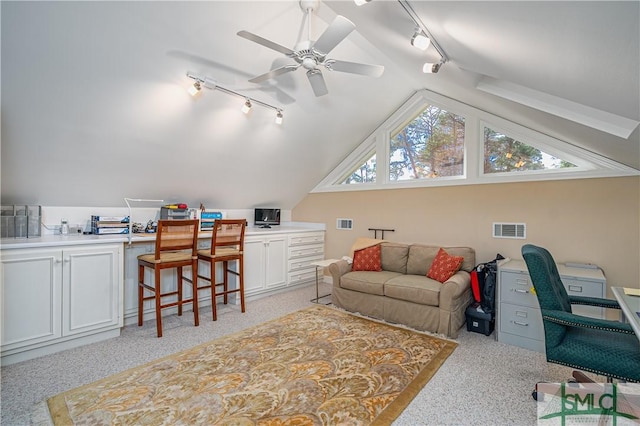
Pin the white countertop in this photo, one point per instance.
(69, 240)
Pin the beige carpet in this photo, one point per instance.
(318, 365)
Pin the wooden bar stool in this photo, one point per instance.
(227, 245)
(176, 247)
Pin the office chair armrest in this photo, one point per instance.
(572, 320)
(594, 301)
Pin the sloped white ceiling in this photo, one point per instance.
(94, 102)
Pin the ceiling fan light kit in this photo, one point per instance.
(312, 55)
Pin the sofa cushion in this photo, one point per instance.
(367, 259)
(469, 255)
(367, 281)
(444, 266)
(394, 257)
(420, 258)
(414, 288)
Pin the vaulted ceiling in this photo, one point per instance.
(95, 108)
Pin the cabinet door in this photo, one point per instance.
(276, 261)
(30, 297)
(92, 288)
(254, 265)
(131, 253)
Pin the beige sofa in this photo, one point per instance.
(402, 293)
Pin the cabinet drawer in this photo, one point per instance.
(305, 263)
(303, 276)
(306, 251)
(307, 238)
(583, 288)
(521, 320)
(516, 287)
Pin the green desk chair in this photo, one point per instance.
(604, 347)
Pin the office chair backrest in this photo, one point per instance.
(550, 291)
(546, 279)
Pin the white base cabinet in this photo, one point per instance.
(264, 263)
(518, 317)
(58, 298)
(303, 250)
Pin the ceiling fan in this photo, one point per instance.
(312, 55)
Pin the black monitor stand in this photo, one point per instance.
(265, 226)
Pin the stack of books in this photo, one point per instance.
(102, 225)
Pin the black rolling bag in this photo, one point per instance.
(480, 315)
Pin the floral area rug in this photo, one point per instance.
(315, 366)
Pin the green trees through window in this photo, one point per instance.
(430, 146)
(363, 174)
(503, 154)
(425, 144)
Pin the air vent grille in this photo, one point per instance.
(510, 230)
(344, 224)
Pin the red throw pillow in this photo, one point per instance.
(444, 266)
(367, 259)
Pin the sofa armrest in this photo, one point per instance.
(338, 269)
(453, 288)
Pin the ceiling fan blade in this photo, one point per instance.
(354, 68)
(267, 43)
(317, 82)
(337, 31)
(274, 73)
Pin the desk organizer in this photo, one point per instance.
(20, 221)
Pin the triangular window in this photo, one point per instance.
(365, 173)
(436, 141)
(504, 154)
(430, 146)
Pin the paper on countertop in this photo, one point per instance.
(632, 291)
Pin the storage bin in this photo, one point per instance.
(20, 221)
(34, 217)
(479, 322)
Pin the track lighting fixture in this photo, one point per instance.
(195, 89)
(431, 68)
(422, 31)
(419, 40)
(209, 83)
(246, 107)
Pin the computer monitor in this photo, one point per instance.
(266, 217)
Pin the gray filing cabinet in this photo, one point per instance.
(518, 317)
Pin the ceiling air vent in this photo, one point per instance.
(510, 230)
(344, 223)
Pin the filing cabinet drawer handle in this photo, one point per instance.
(518, 290)
(522, 281)
(576, 288)
(524, 324)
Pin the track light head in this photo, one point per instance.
(279, 117)
(246, 107)
(431, 68)
(420, 40)
(194, 89)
